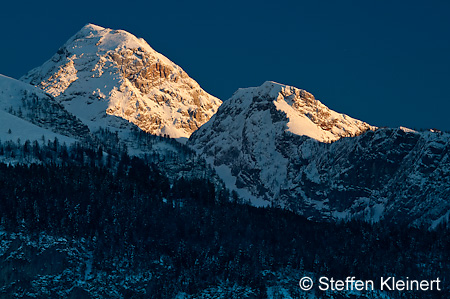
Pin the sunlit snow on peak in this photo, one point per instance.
(101, 72)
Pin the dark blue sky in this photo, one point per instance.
(384, 62)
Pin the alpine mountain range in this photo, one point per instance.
(273, 146)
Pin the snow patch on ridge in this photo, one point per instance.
(224, 172)
(24, 130)
(300, 124)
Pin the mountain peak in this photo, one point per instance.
(96, 39)
(304, 114)
(257, 133)
(270, 85)
(92, 27)
(270, 88)
(101, 71)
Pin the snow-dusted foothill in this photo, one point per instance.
(28, 113)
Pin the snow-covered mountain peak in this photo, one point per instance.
(91, 27)
(109, 39)
(247, 139)
(269, 88)
(88, 30)
(101, 71)
(304, 114)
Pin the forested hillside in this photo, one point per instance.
(82, 222)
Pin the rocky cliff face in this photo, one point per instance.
(397, 175)
(277, 145)
(100, 72)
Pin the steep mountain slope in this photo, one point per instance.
(272, 145)
(29, 113)
(101, 72)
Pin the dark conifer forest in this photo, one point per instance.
(178, 235)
